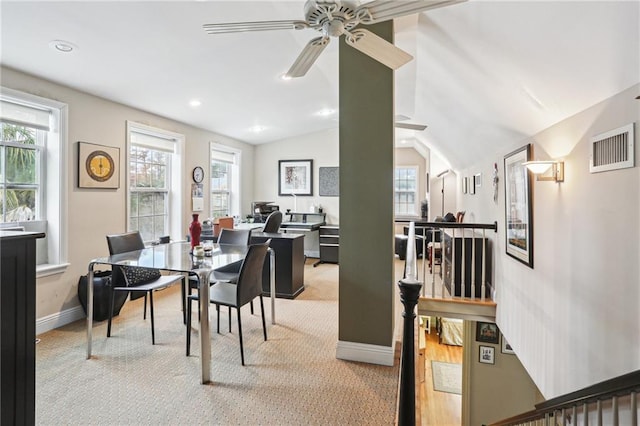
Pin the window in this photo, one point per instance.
(33, 173)
(405, 190)
(152, 157)
(224, 181)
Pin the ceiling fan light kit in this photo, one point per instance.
(334, 18)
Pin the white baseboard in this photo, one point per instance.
(59, 319)
(363, 352)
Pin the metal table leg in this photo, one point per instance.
(205, 337)
(272, 284)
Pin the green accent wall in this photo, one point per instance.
(366, 195)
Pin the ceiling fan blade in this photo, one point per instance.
(307, 57)
(383, 10)
(239, 27)
(419, 127)
(378, 48)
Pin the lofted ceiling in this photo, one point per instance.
(486, 74)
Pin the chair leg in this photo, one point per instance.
(251, 304)
(111, 303)
(229, 319)
(183, 292)
(264, 324)
(218, 310)
(144, 315)
(153, 334)
(189, 328)
(240, 336)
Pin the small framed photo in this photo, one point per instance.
(506, 347)
(477, 180)
(487, 355)
(487, 332)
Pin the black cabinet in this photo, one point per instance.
(329, 244)
(458, 260)
(289, 252)
(18, 327)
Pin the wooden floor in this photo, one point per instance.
(439, 408)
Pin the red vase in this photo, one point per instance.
(195, 229)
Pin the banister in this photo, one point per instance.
(493, 226)
(618, 386)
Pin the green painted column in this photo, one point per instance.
(366, 195)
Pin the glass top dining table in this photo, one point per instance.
(176, 257)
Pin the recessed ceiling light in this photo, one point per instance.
(62, 46)
(326, 112)
(195, 103)
(257, 128)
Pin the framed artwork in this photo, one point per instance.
(295, 177)
(518, 209)
(465, 185)
(487, 355)
(477, 180)
(487, 332)
(329, 183)
(472, 186)
(506, 347)
(98, 166)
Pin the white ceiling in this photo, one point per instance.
(486, 74)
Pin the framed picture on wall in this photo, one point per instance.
(98, 166)
(487, 355)
(506, 347)
(517, 205)
(295, 177)
(487, 332)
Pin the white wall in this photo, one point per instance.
(92, 214)
(321, 147)
(573, 320)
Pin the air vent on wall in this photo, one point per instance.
(612, 150)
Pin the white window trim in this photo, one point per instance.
(57, 181)
(176, 217)
(236, 196)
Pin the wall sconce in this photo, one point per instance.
(540, 169)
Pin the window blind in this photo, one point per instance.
(24, 115)
(154, 142)
(223, 156)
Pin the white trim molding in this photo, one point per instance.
(364, 352)
(59, 319)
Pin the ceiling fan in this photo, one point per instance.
(333, 18)
(400, 123)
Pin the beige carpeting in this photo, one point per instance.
(291, 379)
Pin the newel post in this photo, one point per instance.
(409, 293)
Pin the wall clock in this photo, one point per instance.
(198, 174)
(98, 166)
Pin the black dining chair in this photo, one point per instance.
(137, 281)
(273, 222)
(247, 288)
(228, 272)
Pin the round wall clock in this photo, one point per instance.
(198, 174)
(100, 166)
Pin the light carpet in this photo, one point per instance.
(292, 378)
(447, 377)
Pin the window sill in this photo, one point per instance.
(47, 269)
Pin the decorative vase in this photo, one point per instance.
(195, 229)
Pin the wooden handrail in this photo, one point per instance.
(618, 386)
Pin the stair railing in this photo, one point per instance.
(564, 410)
